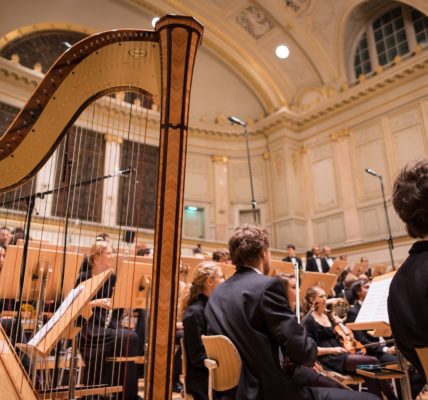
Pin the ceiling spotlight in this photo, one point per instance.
(282, 51)
(154, 21)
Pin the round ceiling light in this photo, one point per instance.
(282, 51)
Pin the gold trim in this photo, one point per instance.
(110, 138)
(219, 159)
(44, 26)
(340, 134)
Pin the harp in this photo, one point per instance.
(156, 68)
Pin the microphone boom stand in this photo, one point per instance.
(389, 237)
(253, 200)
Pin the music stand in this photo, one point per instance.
(378, 270)
(310, 279)
(132, 286)
(337, 267)
(189, 266)
(38, 274)
(374, 316)
(281, 266)
(62, 323)
(359, 268)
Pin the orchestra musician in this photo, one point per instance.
(407, 300)
(206, 278)
(101, 336)
(252, 310)
(331, 354)
(292, 257)
(305, 376)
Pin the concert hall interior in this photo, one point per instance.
(136, 156)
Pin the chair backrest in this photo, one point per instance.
(221, 349)
(184, 368)
(423, 358)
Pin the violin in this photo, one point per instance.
(347, 340)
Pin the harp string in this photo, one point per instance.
(64, 209)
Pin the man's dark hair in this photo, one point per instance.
(291, 246)
(247, 244)
(410, 198)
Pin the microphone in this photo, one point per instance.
(236, 121)
(371, 172)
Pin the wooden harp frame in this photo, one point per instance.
(66, 90)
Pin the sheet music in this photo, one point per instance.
(58, 313)
(375, 306)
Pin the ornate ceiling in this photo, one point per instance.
(237, 70)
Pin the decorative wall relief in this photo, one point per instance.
(297, 6)
(254, 21)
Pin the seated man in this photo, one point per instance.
(252, 310)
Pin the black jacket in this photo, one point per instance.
(194, 327)
(408, 304)
(298, 261)
(311, 265)
(251, 309)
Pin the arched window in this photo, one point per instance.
(398, 31)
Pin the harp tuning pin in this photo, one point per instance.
(25, 123)
(53, 82)
(60, 71)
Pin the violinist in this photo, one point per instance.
(331, 354)
(304, 376)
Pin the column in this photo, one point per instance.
(221, 197)
(111, 185)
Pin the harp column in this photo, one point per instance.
(111, 186)
(179, 38)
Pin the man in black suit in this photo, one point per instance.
(316, 263)
(407, 300)
(291, 256)
(252, 310)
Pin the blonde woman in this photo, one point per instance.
(102, 336)
(206, 278)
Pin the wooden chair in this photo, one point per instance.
(223, 363)
(184, 369)
(423, 357)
